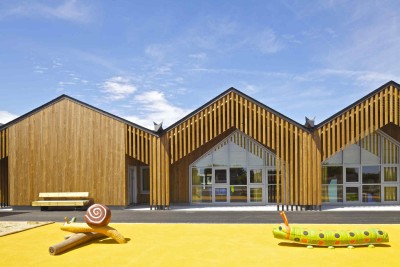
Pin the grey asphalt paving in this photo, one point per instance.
(217, 217)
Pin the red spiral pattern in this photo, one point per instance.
(98, 215)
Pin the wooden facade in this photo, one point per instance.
(69, 146)
(4, 195)
(295, 147)
(377, 111)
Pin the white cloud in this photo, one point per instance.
(39, 69)
(6, 116)
(118, 88)
(156, 52)
(71, 10)
(200, 56)
(267, 42)
(372, 43)
(361, 77)
(153, 106)
(95, 59)
(249, 88)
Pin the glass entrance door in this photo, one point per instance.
(256, 185)
(220, 194)
(238, 170)
(352, 188)
(238, 185)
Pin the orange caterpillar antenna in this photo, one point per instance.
(285, 220)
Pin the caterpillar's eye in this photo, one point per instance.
(280, 228)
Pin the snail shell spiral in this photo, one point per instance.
(98, 215)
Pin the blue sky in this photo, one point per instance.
(159, 60)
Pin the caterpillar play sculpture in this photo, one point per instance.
(97, 218)
(329, 238)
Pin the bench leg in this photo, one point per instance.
(44, 208)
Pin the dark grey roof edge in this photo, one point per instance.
(61, 97)
(393, 83)
(232, 89)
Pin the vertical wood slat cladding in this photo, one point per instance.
(148, 149)
(159, 173)
(137, 144)
(278, 135)
(67, 147)
(3, 144)
(361, 120)
(4, 196)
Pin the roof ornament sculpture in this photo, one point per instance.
(158, 127)
(310, 122)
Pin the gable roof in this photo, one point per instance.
(381, 88)
(234, 90)
(62, 97)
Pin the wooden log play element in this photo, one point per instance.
(97, 218)
(73, 241)
(84, 228)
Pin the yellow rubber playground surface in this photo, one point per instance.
(193, 245)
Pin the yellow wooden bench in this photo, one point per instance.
(62, 199)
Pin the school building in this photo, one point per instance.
(233, 150)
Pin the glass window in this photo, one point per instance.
(371, 174)
(371, 193)
(238, 176)
(237, 155)
(220, 177)
(390, 152)
(145, 179)
(256, 194)
(336, 159)
(332, 175)
(271, 176)
(235, 170)
(351, 154)
(352, 174)
(390, 193)
(254, 159)
(332, 193)
(221, 195)
(238, 193)
(352, 194)
(271, 188)
(256, 176)
(390, 174)
(221, 156)
(201, 194)
(201, 176)
(271, 193)
(332, 180)
(369, 158)
(206, 161)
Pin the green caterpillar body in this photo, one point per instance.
(314, 237)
